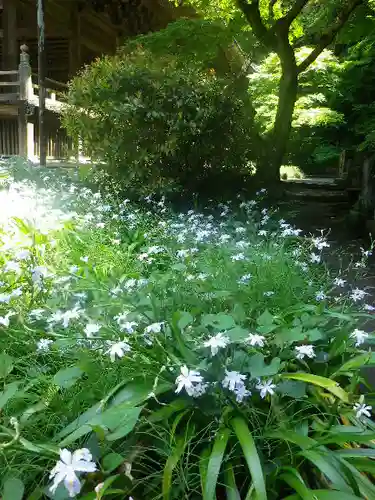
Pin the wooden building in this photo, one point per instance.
(75, 32)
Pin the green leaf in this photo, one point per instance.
(329, 467)
(251, 456)
(265, 319)
(112, 461)
(170, 465)
(258, 368)
(294, 479)
(203, 466)
(291, 388)
(120, 420)
(325, 383)
(6, 365)
(237, 334)
(230, 484)
(356, 452)
(137, 391)
(346, 433)
(356, 363)
(185, 319)
(9, 391)
(326, 495)
(214, 463)
(293, 437)
(131, 418)
(13, 489)
(167, 411)
(67, 377)
(219, 321)
(79, 421)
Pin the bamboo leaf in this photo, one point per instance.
(251, 456)
(214, 463)
(170, 465)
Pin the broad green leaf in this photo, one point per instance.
(325, 383)
(170, 409)
(289, 335)
(237, 334)
(363, 464)
(362, 483)
(219, 321)
(265, 319)
(79, 421)
(214, 463)
(356, 452)
(111, 461)
(132, 415)
(67, 377)
(13, 489)
(346, 433)
(326, 495)
(230, 484)
(6, 365)
(258, 368)
(9, 391)
(251, 456)
(292, 388)
(184, 319)
(170, 465)
(313, 335)
(137, 391)
(120, 420)
(292, 477)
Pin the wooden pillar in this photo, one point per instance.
(41, 83)
(24, 70)
(75, 57)
(10, 44)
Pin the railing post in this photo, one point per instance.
(26, 91)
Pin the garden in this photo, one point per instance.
(150, 353)
(165, 332)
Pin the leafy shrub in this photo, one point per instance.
(161, 124)
(174, 356)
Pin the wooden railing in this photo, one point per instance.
(19, 97)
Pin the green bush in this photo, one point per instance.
(156, 356)
(161, 125)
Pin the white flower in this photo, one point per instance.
(12, 266)
(241, 393)
(128, 326)
(320, 296)
(369, 307)
(362, 409)
(233, 380)
(320, 243)
(118, 349)
(91, 329)
(339, 282)
(305, 350)
(268, 294)
(73, 269)
(22, 254)
(44, 344)
(360, 336)
(67, 316)
(265, 388)
(4, 320)
(244, 280)
(154, 328)
(66, 468)
(84, 259)
(217, 342)
(36, 313)
(255, 340)
(240, 230)
(237, 257)
(5, 298)
(188, 380)
(262, 232)
(315, 258)
(358, 294)
(38, 273)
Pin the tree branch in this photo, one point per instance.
(292, 13)
(252, 13)
(328, 37)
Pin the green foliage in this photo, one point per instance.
(158, 118)
(172, 357)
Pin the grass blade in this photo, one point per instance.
(214, 463)
(325, 383)
(170, 465)
(292, 477)
(251, 456)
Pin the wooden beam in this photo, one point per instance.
(75, 57)
(41, 82)
(10, 46)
